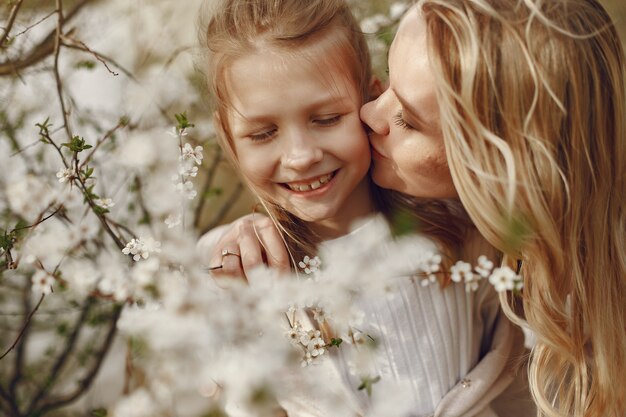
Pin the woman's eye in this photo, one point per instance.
(327, 121)
(399, 121)
(262, 136)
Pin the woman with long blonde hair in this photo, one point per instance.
(526, 101)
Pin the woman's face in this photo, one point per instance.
(408, 153)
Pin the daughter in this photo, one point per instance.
(288, 79)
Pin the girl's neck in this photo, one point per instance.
(360, 204)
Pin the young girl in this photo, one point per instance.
(288, 78)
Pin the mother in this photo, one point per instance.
(518, 108)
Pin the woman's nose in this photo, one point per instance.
(301, 152)
(373, 115)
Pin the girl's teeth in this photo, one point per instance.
(313, 186)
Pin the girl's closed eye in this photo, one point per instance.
(398, 120)
(327, 120)
(263, 135)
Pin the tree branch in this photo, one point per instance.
(91, 374)
(12, 16)
(42, 50)
(70, 342)
(57, 75)
(25, 325)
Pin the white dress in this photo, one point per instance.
(448, 352)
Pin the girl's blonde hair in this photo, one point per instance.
(233, 28)
(532, 105)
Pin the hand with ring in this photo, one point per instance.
(248, 242)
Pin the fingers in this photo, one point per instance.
(257, 242)
(227, 262)
(275, 250)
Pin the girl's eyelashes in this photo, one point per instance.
(263, 135)
(327, 120)
(269, 133)
(399, 121)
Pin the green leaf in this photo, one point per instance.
(44, 129)
(336, 342)
(86, 64)
(213, 192)
(6, 240)
(99, 412)
(124, 121)
(100, 210)
(77, 144)
(404, 222)
(367, 383)
(183, 123)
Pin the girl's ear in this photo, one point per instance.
(376, 88)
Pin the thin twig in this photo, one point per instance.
(207, 185)
(42, 50)
(100, 141)
(22, 338)
(10, 400)
(38, 222)
(24, 326)
(57, 75)
(103, 58)
(35, 24)
(76, 44)
(12, 16)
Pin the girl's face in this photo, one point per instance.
(297, 135)
(408, 153)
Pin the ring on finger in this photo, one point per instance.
(226, 252)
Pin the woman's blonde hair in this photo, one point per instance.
(533, 114)
(232, 28)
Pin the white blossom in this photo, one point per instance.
(461, 271)
(187, 172)
(176, 132)
(190, 153)
(505, 279)
(310, 265)
(141, 248)
(173, 220)
(484, 266)
(374, 23)
(66, 174)
(396, 10)
(186, 189)
(42, 282)
(138, 404)
(105, 203)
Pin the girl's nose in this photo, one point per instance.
(373, 115)
(301, 152)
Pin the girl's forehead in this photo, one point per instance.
(325, 60)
